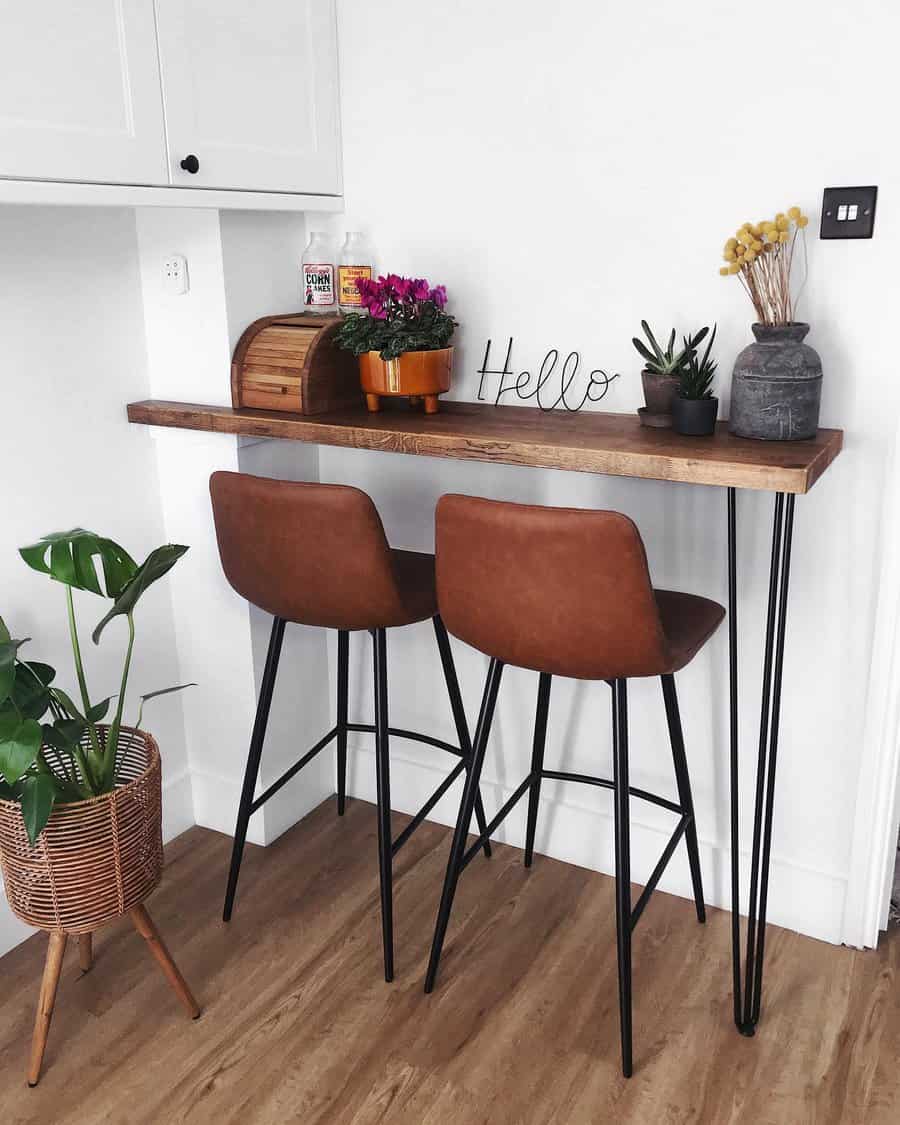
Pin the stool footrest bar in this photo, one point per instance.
(494, 824)
(659, 869)
(427, 807)
(606, 783)
(295, 768)
(414, 736)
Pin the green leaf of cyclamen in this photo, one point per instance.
(157, 563)
(38, 795)
(19, 750)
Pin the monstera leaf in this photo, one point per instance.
(157, 563)
(70, 557)
(30, 691)
(8, 650)
(20, 741)
(38, 795)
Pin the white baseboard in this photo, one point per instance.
(177, 805)
(800, 898)
(215, 800)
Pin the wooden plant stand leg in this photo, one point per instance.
(373, 403)
(143, 923)
(86, 952)
(52, 967)
(431, 404)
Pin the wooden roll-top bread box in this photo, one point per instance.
(289, 363)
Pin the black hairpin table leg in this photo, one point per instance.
(748, 991)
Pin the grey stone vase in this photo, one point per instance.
(776, 386)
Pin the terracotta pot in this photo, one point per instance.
(96, 859)
(659, 391)
(413, 375)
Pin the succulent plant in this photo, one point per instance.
(668, 361)
(698, 374)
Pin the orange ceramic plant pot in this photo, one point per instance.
(413, 375)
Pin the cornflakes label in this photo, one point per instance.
(347, 275)
(318, 284)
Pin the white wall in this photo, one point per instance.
(241, 266)
(565, 177)
(71, 321)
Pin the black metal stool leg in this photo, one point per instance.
(383, 786)
(685, 798)
(343, 677)
(253, 759)
(466, 808)
(537, 761)
(623, 865)
(459, 715)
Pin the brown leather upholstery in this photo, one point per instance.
(561, 590)
(317, 554)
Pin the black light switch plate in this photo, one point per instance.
(848, 212)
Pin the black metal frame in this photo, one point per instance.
(748, 993)
(387, 848)
(627, 915)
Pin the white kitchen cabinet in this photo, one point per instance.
(79, 92)
(251, 93)
(121, 92)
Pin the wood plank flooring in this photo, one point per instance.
(298, 1025)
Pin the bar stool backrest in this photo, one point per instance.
(558, 590)
(311, 553)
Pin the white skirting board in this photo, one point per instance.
(575, 825)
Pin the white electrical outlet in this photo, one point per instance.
(175, 275)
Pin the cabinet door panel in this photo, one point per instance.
(80, 93)
(251, 91)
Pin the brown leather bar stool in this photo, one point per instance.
(567, 593)
(316, 554)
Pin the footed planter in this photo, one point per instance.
(413, 375)
(95, 860)
(777, 386)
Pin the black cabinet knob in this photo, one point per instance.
(191, 164)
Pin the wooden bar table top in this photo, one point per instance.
(588, 441)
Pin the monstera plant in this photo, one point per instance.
(36, 714)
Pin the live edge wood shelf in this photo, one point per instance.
(589, 442)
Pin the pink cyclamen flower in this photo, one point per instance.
(420, 289)
(438, 295)
(402, 288)
(376, 309)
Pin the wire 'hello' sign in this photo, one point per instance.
(527, 386)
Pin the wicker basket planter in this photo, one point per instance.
(95, 861)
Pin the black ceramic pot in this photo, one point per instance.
(694, 416)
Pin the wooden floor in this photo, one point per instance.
(298, 1025)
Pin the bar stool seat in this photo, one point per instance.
(688, 622)
(316, 554)
(416, 592)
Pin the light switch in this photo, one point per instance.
(848, 212)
